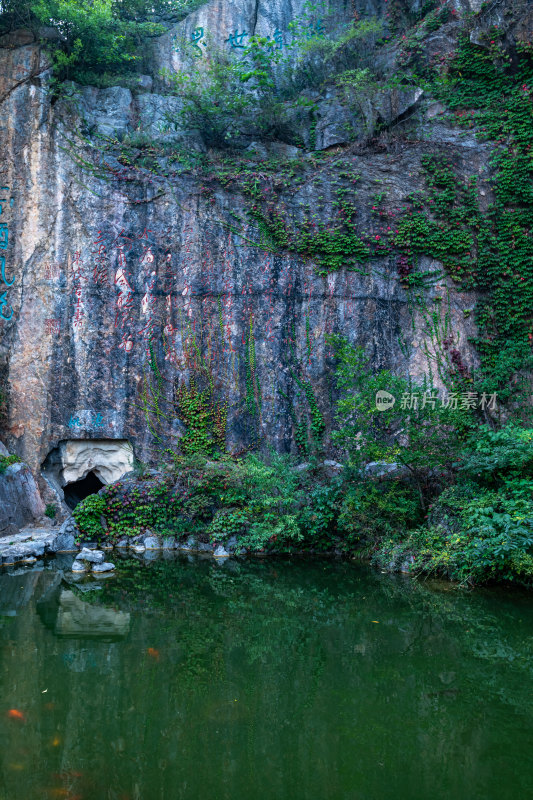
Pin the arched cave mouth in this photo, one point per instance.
(77, 491)
(77, 468)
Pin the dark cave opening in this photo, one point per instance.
(78, 490)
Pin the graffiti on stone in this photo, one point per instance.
(78, 278)
(86, 419)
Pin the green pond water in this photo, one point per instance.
(296, 679)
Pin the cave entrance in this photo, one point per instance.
(77, 468)
(78, 490)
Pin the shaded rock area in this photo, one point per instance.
(20, 499)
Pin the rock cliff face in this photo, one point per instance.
(20, 501)
(103, 263)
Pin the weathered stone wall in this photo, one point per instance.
(98, 264)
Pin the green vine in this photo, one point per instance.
(253, 389)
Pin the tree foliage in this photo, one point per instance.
(93, 37)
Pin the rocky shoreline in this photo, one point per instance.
(34, 542)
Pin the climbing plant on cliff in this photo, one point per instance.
(204, 417)
(191, 404)
(488, 251)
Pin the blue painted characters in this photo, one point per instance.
(93, 420)
(4, 241)
(3, 272)
(3, 304)
(236, 40)
(196, 39)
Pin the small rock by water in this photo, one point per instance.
(152, 543)
(107, 566)
(92, 556)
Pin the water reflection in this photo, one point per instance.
(67, 614)
(289, 679)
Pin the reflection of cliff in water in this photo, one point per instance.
(69, 616)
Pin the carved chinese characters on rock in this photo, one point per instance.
(100, 261)
(52, 271)
(6, 310)
(78, 279)
(183, 293)
(124, 300)
(240, 39)
(148, 301)
(52, 327)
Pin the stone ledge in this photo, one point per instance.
(34, 543)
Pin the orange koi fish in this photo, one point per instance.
(14, 713)
(153, 653)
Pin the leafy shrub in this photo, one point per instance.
(494, 454)
(88, 514)
(425, 438)
(478, 534)
(51, 510)
(318, 518)
(6, 461)
(371, 511)
(227, 523)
